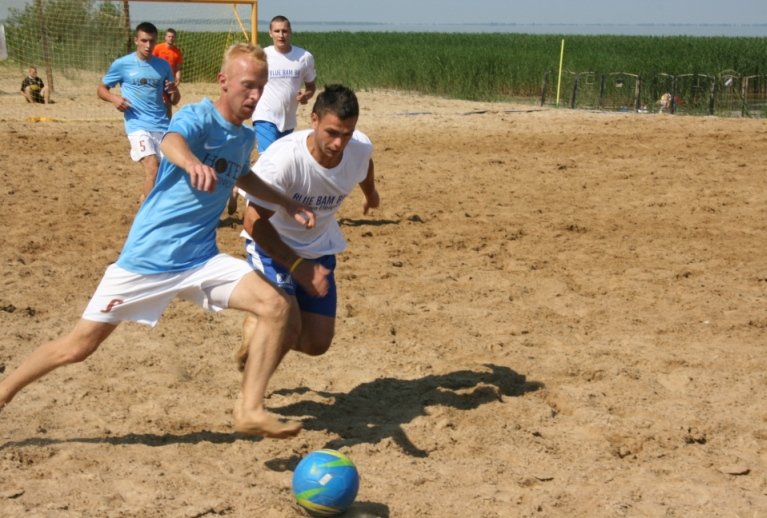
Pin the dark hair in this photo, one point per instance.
(280, 18)
(169, 30)
(339, 100)
(146, 27)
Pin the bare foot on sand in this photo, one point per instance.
(261, 422)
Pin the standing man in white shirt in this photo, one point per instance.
(290, 69)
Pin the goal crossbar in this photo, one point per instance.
(253, 12)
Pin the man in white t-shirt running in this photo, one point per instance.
(318, 167)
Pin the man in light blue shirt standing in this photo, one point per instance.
(143, 78)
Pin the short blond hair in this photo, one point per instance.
(243, 49)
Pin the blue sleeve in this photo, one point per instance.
(114, 75)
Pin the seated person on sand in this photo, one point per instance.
(33, 89)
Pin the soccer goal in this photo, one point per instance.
(73, 42)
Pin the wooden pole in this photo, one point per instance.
(602, 85)
(46, 51)
(543, 88)
(254, 23)
(126, 18)
(575, 91)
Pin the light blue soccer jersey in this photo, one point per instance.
(142, 83)
(175, 228)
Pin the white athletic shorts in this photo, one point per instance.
(123, 295)
(145, 143)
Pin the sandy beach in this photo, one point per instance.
(553, 313)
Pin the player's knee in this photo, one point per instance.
(75, 351)
(275, 307)
(78, 354)
(81, 342)
(316, 350)
(316, 345)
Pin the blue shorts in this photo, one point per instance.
(279, 275)
(266, 133)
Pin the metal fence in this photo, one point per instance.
(726, 94)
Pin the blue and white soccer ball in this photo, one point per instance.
(325, 482)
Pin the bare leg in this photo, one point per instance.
(150, 165)
(317, 333)
(265, 352)
(309, 333)
(80, 343)
(248, 328)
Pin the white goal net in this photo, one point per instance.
(73, 42)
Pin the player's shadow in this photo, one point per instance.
(230, 221)
(349, 222)
(145, 439)
(369, 413)
(378, 409)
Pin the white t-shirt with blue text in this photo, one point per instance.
(288, 166)
(287, 74)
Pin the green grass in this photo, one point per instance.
(502, 66)
(487, 67)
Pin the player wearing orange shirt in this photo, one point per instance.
(172, 54)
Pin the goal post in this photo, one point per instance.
(202, 40)
(73, 42)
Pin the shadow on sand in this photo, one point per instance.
(376, 410)
(369, 413)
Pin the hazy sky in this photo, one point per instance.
(520, 11)
(505, 11)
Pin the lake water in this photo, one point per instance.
(209, 18)
(731, 30)
(750, 30)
